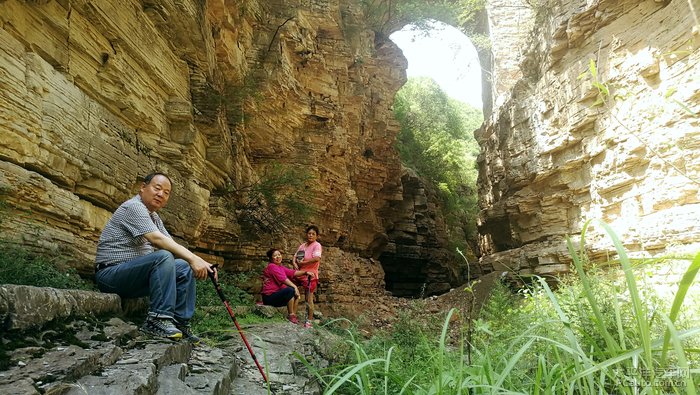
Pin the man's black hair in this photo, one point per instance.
(147, 180)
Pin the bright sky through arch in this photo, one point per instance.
(446, 55)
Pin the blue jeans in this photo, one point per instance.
(168, 282)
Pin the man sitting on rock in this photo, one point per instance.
(137, 257)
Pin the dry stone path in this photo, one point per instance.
(60, 347)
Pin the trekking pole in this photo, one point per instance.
(233, 317)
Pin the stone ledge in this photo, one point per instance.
(23, 306)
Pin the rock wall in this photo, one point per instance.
(416, 235)
(510, 23)
(96, 94)
(94, 97)
(568, 146)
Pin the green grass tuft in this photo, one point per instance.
(602, 331)
(211, 318)
(22, 267)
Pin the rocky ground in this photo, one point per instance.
(77, 342)
(464, 299)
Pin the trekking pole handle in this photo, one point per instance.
(214, 268)
(217, 287)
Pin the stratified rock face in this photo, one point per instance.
(510, 24)
(554, 155)
(97, 94)
(347, 283)
(416, 235)
(94, 97)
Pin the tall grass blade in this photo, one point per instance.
(631, 354)
(362, 378)
(443, 334)
(680, 355)
(683, 286)
(588, 290)
(538, 374)
(460, 365)
(511, 363)
(441, 350)
(387, 364)
(618, 323)
(579, 355)
(405, 386)
(351, 371)
(639, 310)
(312, 369)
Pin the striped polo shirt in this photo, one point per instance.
(122, 238)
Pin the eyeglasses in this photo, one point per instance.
(276, 255)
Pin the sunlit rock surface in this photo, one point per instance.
(96, 94)
(622, 146)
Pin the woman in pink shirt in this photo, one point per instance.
(310, 254)
(277, 288)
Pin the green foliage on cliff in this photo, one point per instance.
(22, 267)
(436, 140)
(276, 201)
(384, 15)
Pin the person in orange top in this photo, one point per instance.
(308, 258)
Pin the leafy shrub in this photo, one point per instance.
(600, 332)
(22, 267)
(211, 317)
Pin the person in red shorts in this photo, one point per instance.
(308, 258)
(277, 288)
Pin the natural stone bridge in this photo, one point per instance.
(96, 94)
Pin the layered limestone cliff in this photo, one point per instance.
(96, 94)
(604, 125)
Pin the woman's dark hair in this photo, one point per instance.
(147, 180)
(314, 227)
(270, 252)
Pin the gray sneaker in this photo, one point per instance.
(161, 327)
(187, 334)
